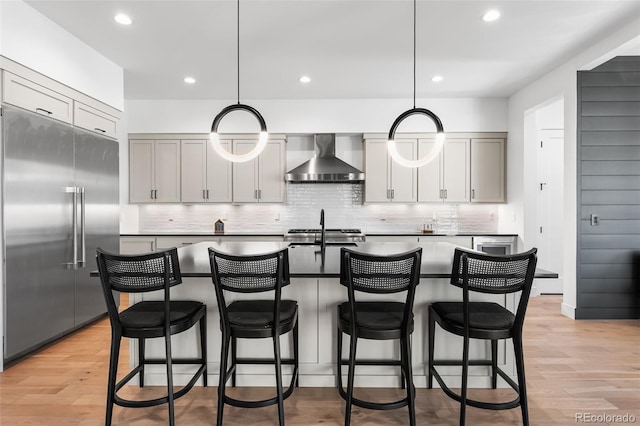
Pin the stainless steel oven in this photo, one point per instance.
(495, 245)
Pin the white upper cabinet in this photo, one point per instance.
(95, 120)
(35, 97)
(206, 177)
(487, 171)
(387, 181)
(260, 180)
(446, 178)
(455, 171)
(154, 171)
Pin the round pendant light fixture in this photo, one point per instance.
(440, 137)
(214, 137)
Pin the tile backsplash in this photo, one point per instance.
(343, 206)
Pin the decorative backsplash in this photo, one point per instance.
(343, 208)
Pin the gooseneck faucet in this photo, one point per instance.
(322, 233)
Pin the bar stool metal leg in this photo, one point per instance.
(353, 342)
(114, 356)
(222, 382)
(522, 385)
(278, 368)
(494, 364)
(170, 395)
(141, 360)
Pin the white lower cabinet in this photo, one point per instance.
(137, 245)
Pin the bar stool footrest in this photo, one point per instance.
(472, 402)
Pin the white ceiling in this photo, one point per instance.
(350, 48)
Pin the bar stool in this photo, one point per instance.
(378, 320)
(494, 274)
(254, 319)
(149, 319)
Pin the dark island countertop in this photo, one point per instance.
(310, 262)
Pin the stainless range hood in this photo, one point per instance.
(325, 167)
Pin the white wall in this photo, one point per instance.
(560, 83)
(316, 116)
(32, 40)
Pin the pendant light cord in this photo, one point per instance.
(238, 50)
(414, 53)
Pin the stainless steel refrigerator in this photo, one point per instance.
(60, 202)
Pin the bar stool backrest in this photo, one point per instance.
(250, 274)
(139, 273)
(380, 274)
(487, 273)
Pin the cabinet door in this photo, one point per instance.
(487, 170)
(271, 167)
(94, 120)
(34, 97)
(218, 175)
(455, 176)
(245, 175)
(404, 179)
(193, 171)
(376, 166)
(429, 175)
(137, 245)
(141, 164)
(167, 171)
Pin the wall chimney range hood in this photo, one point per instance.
(325, 167)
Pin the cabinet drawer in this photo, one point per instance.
(94, 120)
(34, 97)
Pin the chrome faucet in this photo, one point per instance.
(323, 242)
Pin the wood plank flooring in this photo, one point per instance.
(573, 368)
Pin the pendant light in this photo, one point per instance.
(391, 143)
(264, 135)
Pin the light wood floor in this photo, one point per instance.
(573, 367)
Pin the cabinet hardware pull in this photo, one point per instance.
(473, 194)
(44, 110)
(255, 194)
(259, 194)
(441, 194)
(152, 194)
(207, 194)
(445, 194)
(83, 251)
(155, 193)
(204, 193)
(99, 130)
(393, 194)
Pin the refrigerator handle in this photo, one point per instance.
(83, 252)
(74, 223)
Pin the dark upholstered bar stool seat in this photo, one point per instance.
(149, 319)
(485, 273)
(379, 319)
(254, 319)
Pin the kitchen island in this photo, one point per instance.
(315, 285)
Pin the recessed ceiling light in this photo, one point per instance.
(123, 19)
(437, 78)
(491, 15)
(189, 80)
(305, 79)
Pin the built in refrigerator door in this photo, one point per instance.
(39, 277)
(96, 160)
